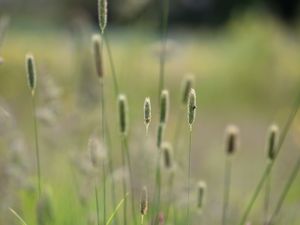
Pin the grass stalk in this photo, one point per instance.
(37, 151)
(189, 175)
(269, 166)
(227, 184)
(124, 184)
(285, 191)
(164, 31)
(267, 198)
(97, 203)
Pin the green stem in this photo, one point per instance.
(104, 192)
(269, 166)
(37, 152)
(97, 205)
(286, 189)
(112, 66)
(124, 184)
(267, 198)
(227, 182)
(164, 31)
(189, 175)
(126, 145)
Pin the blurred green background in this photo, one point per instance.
(245, 57)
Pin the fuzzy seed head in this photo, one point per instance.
(191, 106)
(31, 72)
(96, 40)
(187, 85)
(201, 192)
(167, 151)
(102, 14)
(144, 201)
(164, 106)
(147, 111)
(272, 142)
(231, 141)
(123, 111)
(44, 210)
(160, 135)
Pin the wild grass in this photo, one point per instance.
(74, 198)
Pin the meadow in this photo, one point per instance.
(245, 74)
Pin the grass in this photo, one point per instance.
(224, 95)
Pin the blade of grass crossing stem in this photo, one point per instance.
(269, 166)
(18, 216)
(116, 210)
(286, 189)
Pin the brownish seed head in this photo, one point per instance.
(144, 201)
(272, 142)
(231, 141)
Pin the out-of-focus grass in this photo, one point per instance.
(247, 73)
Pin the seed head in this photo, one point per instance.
(231, 139)
(31, 72)
(102, 14)
(123, 111)
(167, 155)
(187, 85)
(96, 150)
(272, 142)
(147, 112)
(201, 191)
(191, 107)
(164, 106)
(96, 40)
(160, 134)
(44, 210)
(144, 201)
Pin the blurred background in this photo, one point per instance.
(245, 57)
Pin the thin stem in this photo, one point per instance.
(189, 175)
(170, 191)
(97, 205)
(37, 152)
(286, 189)
(112, 66)
(164, 31)
(269, 166)
(267, 198)
(104, 192)
(227, 183)
(125, 139)
(124, 184)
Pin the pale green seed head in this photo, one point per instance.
(123, 113)
(187, 85)
(201, 193)
(31, 72)
(160, 135)
(102, 14)
(44, 210)
(164, 106)
(96, 41)
(167, 151)
(272, 142)
(191, 106)
(147, 111)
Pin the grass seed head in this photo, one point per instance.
(102, 14)
(231, 141)
(31, 72)
(201, 192)
(272, 142)
(44, 210)
(167, 155)
(123, 111)
(164, 106)
(187, 85)
(160, 135)
(191, 106)
(147, 112)
(144, 201)
(96, 40)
